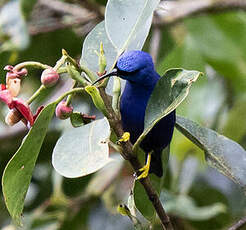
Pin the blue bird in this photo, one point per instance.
(137, 68)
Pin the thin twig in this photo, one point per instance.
(239, 224)
(173, 12)
(128, 154)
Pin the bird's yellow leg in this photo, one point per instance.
(145, 169)
(125, 137)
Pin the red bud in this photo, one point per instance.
(49, 77)
(63, 111)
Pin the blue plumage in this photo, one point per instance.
(137, 68)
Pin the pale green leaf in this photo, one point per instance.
(83, 150)
(128, 24)
(92, 44)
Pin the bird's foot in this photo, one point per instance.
(125, 137)
(145, 168)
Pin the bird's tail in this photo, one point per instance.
(156, 164)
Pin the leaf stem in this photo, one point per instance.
(116, 95)
(36, 94)
(75, 90)
(33, 64)
(60, 62)
(74, 74)
(88, 72)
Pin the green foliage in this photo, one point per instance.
(92, 44)
(76, 119)
(135, 19)
(218, 150)
(17, 174)
(86, 145)
(175, 84)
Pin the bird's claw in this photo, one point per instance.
(125, 137)
(145, 168)
(145, 172)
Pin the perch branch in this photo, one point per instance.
(128, 154)
(239, 224)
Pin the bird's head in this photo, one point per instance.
(135, 66)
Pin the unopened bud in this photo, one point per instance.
(63, 111)
(49, 77)
(13, 117)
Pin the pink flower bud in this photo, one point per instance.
(63, 111)
(49, 77)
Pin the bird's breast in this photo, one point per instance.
(132, 106)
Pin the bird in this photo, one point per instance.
(137, 68)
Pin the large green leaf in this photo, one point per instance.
(169, 92)
(84, 150)
(221, 153)
(18, 172)
(128, 24)
(92, 44)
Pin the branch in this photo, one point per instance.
(239, 224)
(172, 12)
(128, 154)
(50, 16)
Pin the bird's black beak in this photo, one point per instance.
(114, 72)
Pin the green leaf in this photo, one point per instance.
(184, 206)
(141, 199)
(169, 92)
(18, 172)
(26, 7)
(92, 44)
(221, 153)
(76, 119)
(128, 24)
(82, 150)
